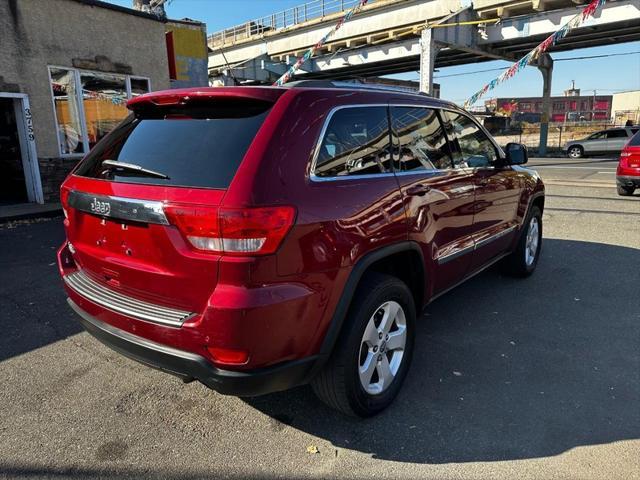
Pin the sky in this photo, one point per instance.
(618, 70)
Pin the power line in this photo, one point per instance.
(555, 60)
(469, 73)
(595, 56)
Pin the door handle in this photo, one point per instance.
(418, 190)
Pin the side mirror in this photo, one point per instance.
(516, 154)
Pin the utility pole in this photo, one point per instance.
(545, 65)
(428, 52)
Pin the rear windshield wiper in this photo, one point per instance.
(132, 167)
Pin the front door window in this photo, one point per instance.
(475, 149)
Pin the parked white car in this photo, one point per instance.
(611, 141)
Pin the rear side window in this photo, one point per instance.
(195, 146)
(419, 140)
(635, 140)
(355, 142)
(617, 134)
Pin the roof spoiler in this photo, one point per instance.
(186, 95)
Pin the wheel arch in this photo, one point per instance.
(537, 201)
(392, 259)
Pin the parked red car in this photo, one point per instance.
(628, 171)
(259, 238)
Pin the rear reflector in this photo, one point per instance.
(246, 231)
(229, 356)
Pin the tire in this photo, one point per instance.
(575, 151)
(524, 259)
(339, 384)
(625, 191)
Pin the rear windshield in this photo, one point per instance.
(195, 146)
(635, 140)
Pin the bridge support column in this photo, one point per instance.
(429, 49)
(545, 65)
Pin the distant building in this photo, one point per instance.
(68, 68)
(569, 108)
(626, 106)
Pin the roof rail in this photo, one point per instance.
(351, 85)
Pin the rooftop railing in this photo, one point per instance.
(286, 18)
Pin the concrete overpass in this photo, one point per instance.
(385, 37)
(390, 36)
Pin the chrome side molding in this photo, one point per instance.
(495, 236)
(477, 244)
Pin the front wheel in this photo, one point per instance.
(524, 259)
(575, 151)
(372, 356)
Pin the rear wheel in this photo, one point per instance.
(522, 262)
(625, 191)
(575, 151)
(371, 359)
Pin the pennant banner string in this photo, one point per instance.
(533, 55)
(309, 53)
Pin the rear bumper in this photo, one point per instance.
(190, 366)
(628, 181)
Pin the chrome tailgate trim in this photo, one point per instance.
(147, 211)
(83, 285)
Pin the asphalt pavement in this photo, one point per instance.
(536, 378)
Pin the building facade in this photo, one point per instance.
(568, 108)
(67, 69)
(626, 107)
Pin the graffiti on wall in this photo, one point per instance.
(187, 52)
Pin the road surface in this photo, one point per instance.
(526, 379)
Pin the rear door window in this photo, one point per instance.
(197, 146)
(419, 142)
(617, 134)
(355, 142)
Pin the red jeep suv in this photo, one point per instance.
(259, 238)
(628, 171)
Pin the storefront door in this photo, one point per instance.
(19, 172)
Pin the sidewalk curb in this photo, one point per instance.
(45, 211)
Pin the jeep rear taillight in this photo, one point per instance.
(630, 157)
(64, 200)
(233, 231)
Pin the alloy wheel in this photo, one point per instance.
(382, 348)
(575, 152)
(533, 239)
